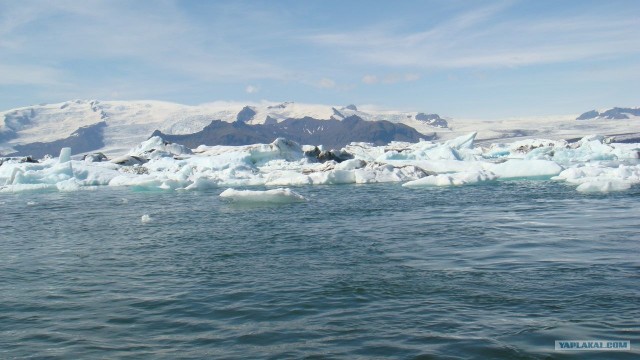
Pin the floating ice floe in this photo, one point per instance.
(278, 196)
(454, 179)
(156, 164)
(603, 186)
(601, 177)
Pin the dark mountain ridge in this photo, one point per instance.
(329, 133)
(612, 114)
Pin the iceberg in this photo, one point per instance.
(65, 155)
(277, 196)
(455, 179)
(603, 186)
(525, 169)
(158, 165)
(601, 177)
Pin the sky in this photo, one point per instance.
(460, 59)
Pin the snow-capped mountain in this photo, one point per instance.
(116, 126)
(615, 113)
(332, 134)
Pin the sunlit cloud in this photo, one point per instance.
(392, 78)
(326, 83)
(480, 39)
(251, 89)
(11, 74)
(369, 79)
(191, 51)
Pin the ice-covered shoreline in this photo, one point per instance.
(593, 164)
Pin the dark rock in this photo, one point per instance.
(246, 114)
(19, 160)
(337, 156)
(351, 107)
(129, 160)
(330, 133)
(336, 114)
(279, 106)
(328, 155)
(588, 115)
(270, 121)
(313, 153)
(620, 113)
(433, 120)
(95, 157)
(611, 114)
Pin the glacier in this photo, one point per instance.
(592, 164)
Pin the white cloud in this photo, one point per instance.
(160, 38)
(482, 38)
(29, 75)
(326, 83)
(251, 89)
(369, 79)
(397, 78)
(390, 78)
(411, 77)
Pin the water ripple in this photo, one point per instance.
(363, 272)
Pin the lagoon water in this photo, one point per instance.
(374, 271)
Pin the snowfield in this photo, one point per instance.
(131, 122)
(128, 123)
(592, 164)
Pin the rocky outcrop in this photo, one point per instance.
(329, 133)
(611, 114)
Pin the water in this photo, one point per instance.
(375, 271)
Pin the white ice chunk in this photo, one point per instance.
(603, 186)
(18, 188)
(278, 149)
(462, 142)
(157, 165)
(351, 164)
(143, 181)
(156, 147)
(441, 166)
(280, 195)
(287, 178)
(455, 179)
(65, 155)
(381, 173)
(525, 169)
(598, 177)
(202, 183)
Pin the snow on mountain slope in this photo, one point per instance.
(47, 122)
(550, 127)
(130, 122)
(611, 114)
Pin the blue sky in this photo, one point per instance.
(480, 59)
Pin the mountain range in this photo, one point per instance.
(615, 113)
(114, 127)
(333, 134)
